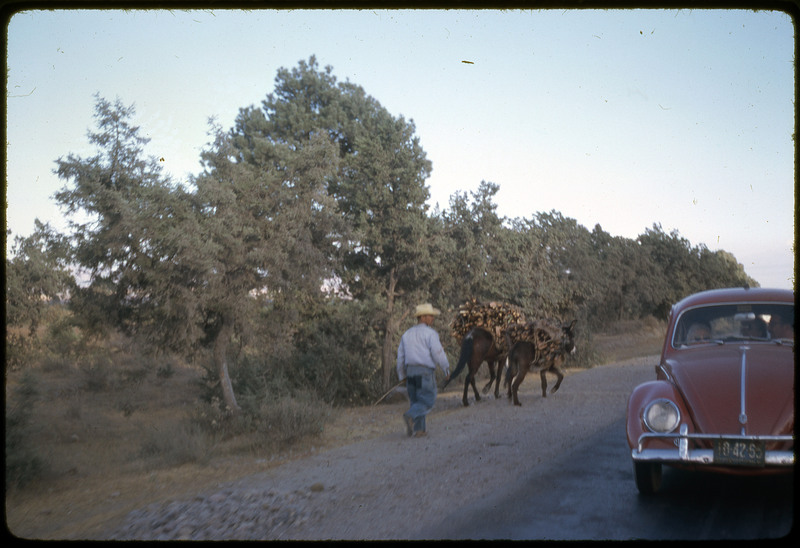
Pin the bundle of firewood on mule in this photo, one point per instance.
(543, 334)
(480, 327)
(493, 316)
(541, 345)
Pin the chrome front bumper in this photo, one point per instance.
(684, 454)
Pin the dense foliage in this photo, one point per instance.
(295, 258)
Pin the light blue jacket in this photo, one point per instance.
(420, 345)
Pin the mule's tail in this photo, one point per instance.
(511, 365)
(510, 347)
(509, 372)
(463, 359)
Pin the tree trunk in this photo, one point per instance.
(388, 359)
(221, 362)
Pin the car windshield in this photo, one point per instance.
(716, 324)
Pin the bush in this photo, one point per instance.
(265, 421)
(174, 444)
(95, 373)
(166, 368)
(55, 363)
(213, 418)
(62, 337)
(18, 349)
(288, 419)
(586, 356)
(127, 404)
(338, 354)
(23, 464)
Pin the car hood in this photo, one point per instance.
(710, 381)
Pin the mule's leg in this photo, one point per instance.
(497, 379)
(517, 381)
(544, 382)
(510, 372)
(472, 381)
(491, 365)
(560, 375)
(466, 389)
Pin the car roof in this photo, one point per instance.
(736, 294)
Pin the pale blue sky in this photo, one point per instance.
(622, 117)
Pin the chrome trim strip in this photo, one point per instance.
(687, 436)
(706, 456)
(743, 406)
(683, 444)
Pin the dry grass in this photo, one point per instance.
(115, 440)
(112, 442)
(630, 339)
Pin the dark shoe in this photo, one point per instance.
(409, 425)
(420, 434)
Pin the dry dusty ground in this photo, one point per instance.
(391, 486)
(366, 474)
(363, 469)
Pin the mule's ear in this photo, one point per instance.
(572, 324)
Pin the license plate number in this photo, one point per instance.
(739, 452)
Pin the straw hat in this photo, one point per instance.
(426, 309)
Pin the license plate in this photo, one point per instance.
(739, 452)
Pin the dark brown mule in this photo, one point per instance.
(524, 356)
(478, 346)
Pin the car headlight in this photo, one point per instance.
(661, 416)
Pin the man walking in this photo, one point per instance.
(418, 354)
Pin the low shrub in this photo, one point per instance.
(288, 419)
(55, 363)
(62, 337)
(95, 373)
(23, 464)
(173, 444)
(165, 368)
(18, 349)
(266, 422)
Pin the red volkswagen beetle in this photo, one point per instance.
(723, 398)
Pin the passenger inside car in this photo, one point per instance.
(698, 332)
(781, 325)
(755, 328)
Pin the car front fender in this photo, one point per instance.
(641, 396)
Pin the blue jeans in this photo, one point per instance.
(421, 386)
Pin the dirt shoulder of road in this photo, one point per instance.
(362, 454)
(379, 484)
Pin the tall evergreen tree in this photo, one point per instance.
(379, 187)
(122, 212)
(191, 270)
(270, 230)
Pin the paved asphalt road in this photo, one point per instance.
(589, 493)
